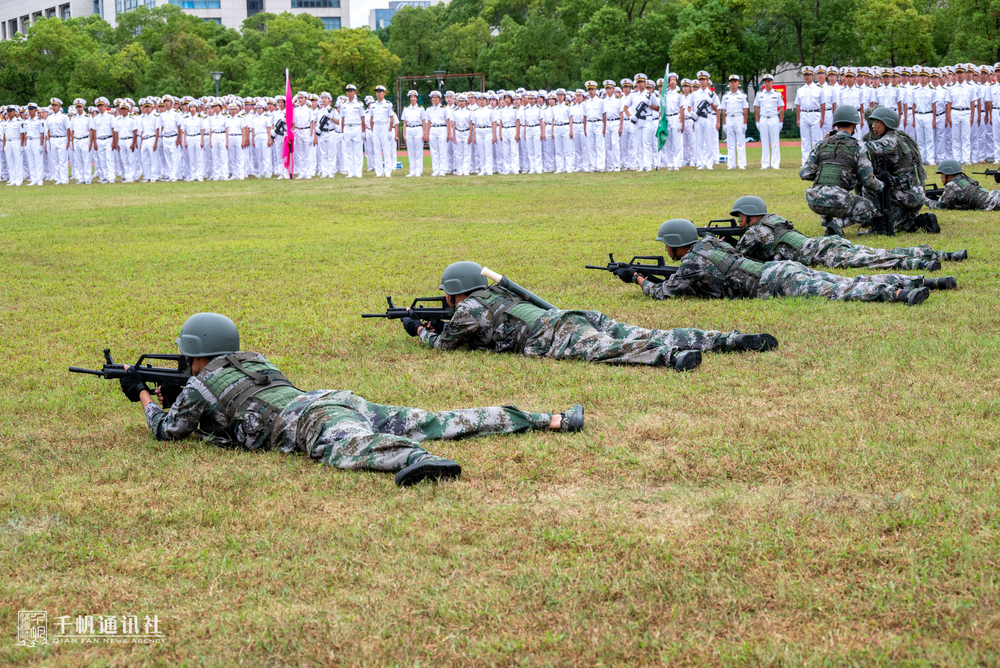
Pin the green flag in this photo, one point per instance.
(663, 131)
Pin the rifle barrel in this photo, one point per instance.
(92, 372)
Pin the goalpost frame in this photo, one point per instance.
(439, 79)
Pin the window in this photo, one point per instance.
(50, 12)
(35, 17)
(99, 8)
(197, 4)
(331, 22)
(3, 30)
(316, 4)
(217, 22)
(64, 12)
(129, 5)
(254, 7)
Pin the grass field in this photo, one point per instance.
(831, 503)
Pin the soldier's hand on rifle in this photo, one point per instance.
(626, 274)
(412, 325)
(132, 384)
(436, 325)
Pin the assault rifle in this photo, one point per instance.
(418, 309)
(995, 173)
(169, 380)
(730, 233)
(657, 272)
(883, 200)
(932, 191)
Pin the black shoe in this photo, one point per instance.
(929, 222)
(833, 231)
(914, 297)
(757, 342)
(958, 256)
(686, 360)
(933, 265)
(434, 468)
(943, 283)
(572, 420)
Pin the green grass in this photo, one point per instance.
(831, 503)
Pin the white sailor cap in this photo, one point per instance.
(522, 90)
(435, 93)
(820, 69)
(55, 100)
(767, 77)
(618, 91)
(639, 77)
(369, 98)
(996, 67)
(350, 87)
(32, 105)
(103, 100)
(850, 72)
(79, 102)
(832, 70)
(659, 82)
(411, 93)
(449, 93)
(590, 84)
(123, 105)
(130, 101)
(490, 95)
(702, 74)
(734, 77)
(379, 87)
(626, 82)
(609, 83)
(580, 92)
(550, 96)
(807, 70)
(541, 92)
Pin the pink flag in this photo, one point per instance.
(288, 153)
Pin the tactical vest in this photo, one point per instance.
(835, 155)
(974, 196)
(251, 396)
(906, 171)
(507, 308)
(742, 276)
(784, 233)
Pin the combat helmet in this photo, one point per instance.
(749, 205)
(887, 116)
(949, 167)
(462, 277)
(846, 115)
(677, 232)
(208, 335)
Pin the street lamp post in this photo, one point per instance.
(440, 79)
(218, 77)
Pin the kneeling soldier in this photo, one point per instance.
(241, 400)
(491, 318)
(963, 192)
(769, 237)
(712, 268)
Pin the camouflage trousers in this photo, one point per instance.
(594, 337)
(839, 253)
(344, 430)
(908, 201)
(792, 279)
(835, 202)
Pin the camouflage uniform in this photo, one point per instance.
(774, 238)
(496, 320)
(713, 269)
(907, 189)
(965, 193)
(836, 166)
(227, 405)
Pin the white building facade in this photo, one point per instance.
(16, 16)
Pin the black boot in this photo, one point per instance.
(433, 468)
(913, 297)
(943, 283)
(832, 227)
(933, 265)
(685, 360)
(929, 222)
(957, 256)
(758, 342)
(572, 420)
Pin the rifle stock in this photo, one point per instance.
(730, 232)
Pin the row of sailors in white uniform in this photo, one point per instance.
(951, 112)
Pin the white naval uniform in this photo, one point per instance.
(381, 115)
(580, 161)
(483, 118)
(769, 127)
(612, 136)
(220, 155)
(194, 126)
(104, 159)
(34, 128)
(507, 118)
(706, 134)
(302, 116)
(463, 150)
(641, 107)
(688, 141)
(593, 111)
(328, 142)
(548, 142)
(413, 118)
(673, 150)
(809, 99)
(234, 157)
(58, 129)
(961, 123)
(12, 131)
(923, 112)
(994, 97)
(351, 114)
(148, 125)
(80, 124)
(170, 121)
(125, 128)
(942, 133)
(531, 138)
(437, 139)
(563, 144)
(830, 98)
(853, 96)
(736, 131)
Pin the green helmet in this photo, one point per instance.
(949, 167)
(846, 114)
(462, 277)
(887, 116)
(677, 232)
(749, 205)
(208, 335)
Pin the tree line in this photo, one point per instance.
(530, 43)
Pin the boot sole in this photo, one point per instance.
(760, 343)
(688, 361)
(918, 296)
(428, 470)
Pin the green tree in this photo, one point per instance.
(355, 56)
(286, 40)
(814, 32)
(415, 38)
(722, 37)
(127, 69)
(975, 29)
(535, 55)
(895, 33)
